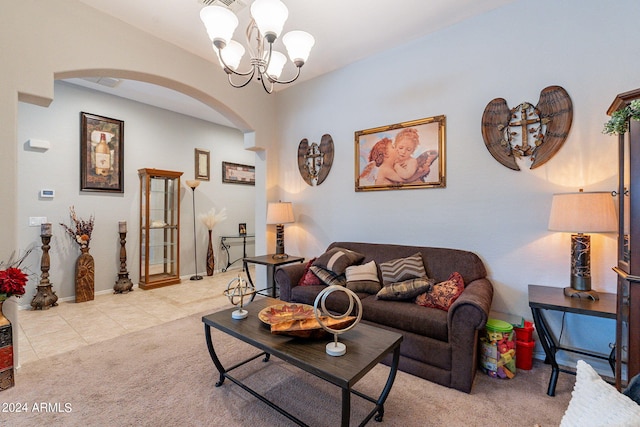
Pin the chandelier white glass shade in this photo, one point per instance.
(268, 18)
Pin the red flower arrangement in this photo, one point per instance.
(12, 278)
(12, 282)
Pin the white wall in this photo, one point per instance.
(153, 138)
(514, 52)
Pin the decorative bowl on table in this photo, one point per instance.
(297, 320)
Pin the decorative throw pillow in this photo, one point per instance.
(596, 403)
(308, 278)
(328, 277)
(401, 269)
(405, 290)
(363, 278)
(443, 294)
(338, 259)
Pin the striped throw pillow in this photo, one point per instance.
(408, 289)
(328, 277)
(401, 269)
(338, 259)
(363, 278)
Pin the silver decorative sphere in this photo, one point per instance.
(237, 290)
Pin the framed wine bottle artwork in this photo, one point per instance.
(101, 154)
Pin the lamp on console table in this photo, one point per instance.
(581, 213)
(280, 213)
(193, 184)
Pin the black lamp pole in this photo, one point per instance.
(193, 185)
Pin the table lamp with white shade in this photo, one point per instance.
(581, 213)
(280, 213)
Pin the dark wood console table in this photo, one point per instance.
(543, 298)
(271, 263)
(226, 246)
(366, 345)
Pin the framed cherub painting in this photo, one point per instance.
(401, 156)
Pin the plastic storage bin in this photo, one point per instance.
(526, 333)
(524, 354)
(498, 350)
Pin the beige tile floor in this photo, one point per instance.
(44, 333)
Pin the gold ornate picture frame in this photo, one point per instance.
(203, 165)
(401, 156)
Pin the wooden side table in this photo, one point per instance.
(543, 298)
(271, 263)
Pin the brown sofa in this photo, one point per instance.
(439, 346)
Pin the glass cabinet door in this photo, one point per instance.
(159, 228)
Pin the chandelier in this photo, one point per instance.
(267, 19)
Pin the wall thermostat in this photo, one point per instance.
(47, 194)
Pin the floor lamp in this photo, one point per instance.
(280, 213)
(193, 184)
(580, 213)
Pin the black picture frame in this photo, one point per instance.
(93, 177)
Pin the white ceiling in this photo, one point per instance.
(345, 32)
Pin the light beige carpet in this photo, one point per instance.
(163, 376)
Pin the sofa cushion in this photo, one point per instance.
(405, 290)
(308, 278)
(401, 269)
(363, 278)
(337, 302)
(443, 294)
(328, 277)
(338, 259)
(406, 316)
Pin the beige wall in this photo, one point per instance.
(44, 40)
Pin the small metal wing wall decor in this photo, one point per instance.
(541, 130)
(314, 161)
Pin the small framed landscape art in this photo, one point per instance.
(401, 156)
(101, 154)
(235, 173)
(203, 168)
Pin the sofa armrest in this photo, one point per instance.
(287, 277)
(466, 317)
(477, 296)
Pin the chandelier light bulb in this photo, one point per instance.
(270, 16)
(220, 23)
(298, 44)
(276, 64)
(233, 54)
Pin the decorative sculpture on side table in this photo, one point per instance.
(123, 284)
(336, 348)
(237, 290)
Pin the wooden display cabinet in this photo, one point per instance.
(628, 266)
(159, 228)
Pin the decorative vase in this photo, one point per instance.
(85, 279)
(211, 262)
(6, 352)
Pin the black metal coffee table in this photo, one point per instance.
(366, 347)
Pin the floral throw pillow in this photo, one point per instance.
(308, 278)
(442, 294)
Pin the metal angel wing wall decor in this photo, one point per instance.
(541, 129)
(314, 161)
